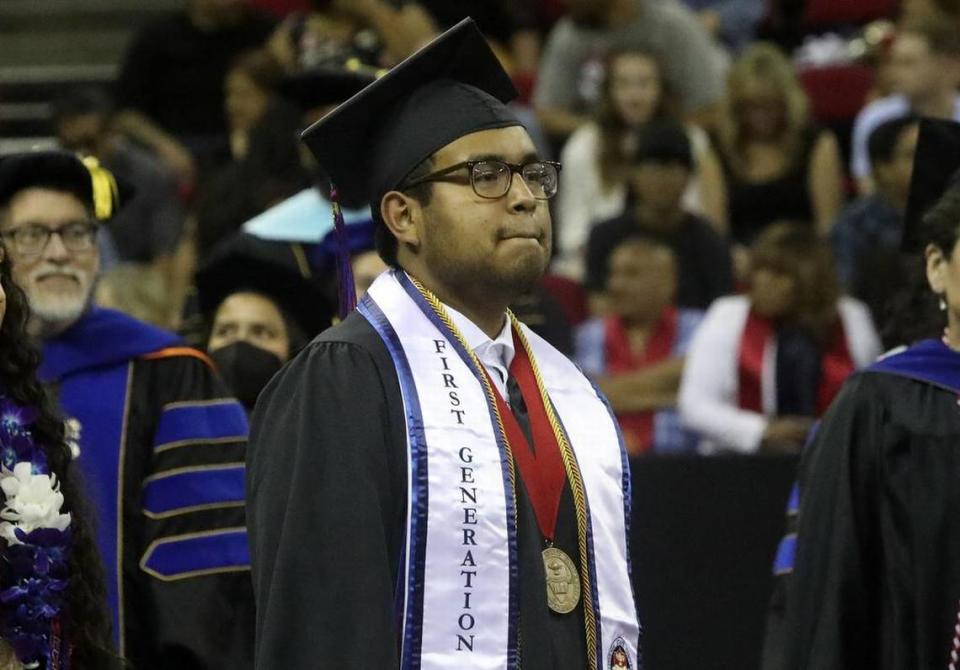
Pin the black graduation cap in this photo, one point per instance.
(327, 85)
(63, 171)
(935, 167)
(274, 269)
(452, 87)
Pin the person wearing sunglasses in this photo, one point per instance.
(428, 479)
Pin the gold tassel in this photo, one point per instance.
(105, 192)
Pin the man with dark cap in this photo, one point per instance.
(160, 446)
(870, 571)
(430, 484)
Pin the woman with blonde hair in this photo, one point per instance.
(778, 165)
(597, 157)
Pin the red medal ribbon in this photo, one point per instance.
(543, 472)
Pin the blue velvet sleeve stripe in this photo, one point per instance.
(197, 554)
(786, 553)
(793, 505)
(191, 489)
(185, 423)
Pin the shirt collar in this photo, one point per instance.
(498, 352)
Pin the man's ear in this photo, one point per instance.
(936, 268)
(402, 216)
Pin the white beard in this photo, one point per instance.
(57, 310)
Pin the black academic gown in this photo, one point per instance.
(326, 511)
(161, 453)
(876, 578)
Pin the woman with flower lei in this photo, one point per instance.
(52, 596)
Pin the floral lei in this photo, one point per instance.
(35, 554)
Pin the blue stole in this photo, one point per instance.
(91, 363)
(928, 361)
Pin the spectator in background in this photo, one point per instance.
(762, 366)
(924, 71)
(777, 164)
(149, 226)
(569, 78)
(596, 158)
(266, 163)
(509, 24)
(635, 353)
(160, 446)
(867, 235)
(734, 22)
(260, 310)
(170, 89)
(660, 174)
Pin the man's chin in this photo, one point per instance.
(57, 313)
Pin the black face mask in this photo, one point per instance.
(246, 369)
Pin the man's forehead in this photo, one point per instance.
(512, 144)
(42, 204)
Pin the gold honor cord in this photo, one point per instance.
(104, 186)
(579, 499)
(570, 464)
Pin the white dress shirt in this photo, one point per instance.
(495, 355)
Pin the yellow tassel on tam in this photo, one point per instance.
(105, 192)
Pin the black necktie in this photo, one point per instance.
(519, 408)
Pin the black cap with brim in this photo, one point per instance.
(935, 167)
(323, 86)
(273, 269)
(452, 87)
(95, 186)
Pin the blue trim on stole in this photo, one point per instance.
(97, 399)
(514, 614)
(412, 625)
(202, 422)
(627, 508)
(929, 361)
(177, 557)
(187, 489)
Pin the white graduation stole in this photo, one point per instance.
(457, 601)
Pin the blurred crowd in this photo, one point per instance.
(727, 234)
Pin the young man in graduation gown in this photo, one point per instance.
(160, 447)
(871, 574)
(430, 484)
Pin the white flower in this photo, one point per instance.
(33, 501)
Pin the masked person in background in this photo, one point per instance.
(261, 309)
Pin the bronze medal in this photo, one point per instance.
(563, 583)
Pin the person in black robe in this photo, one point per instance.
(871, 576)
(158, 443)
(327, 462)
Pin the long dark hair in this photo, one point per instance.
(88, 621)
(613, 158)
(914, 314)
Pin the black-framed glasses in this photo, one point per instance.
(32, 239)
(492, 178)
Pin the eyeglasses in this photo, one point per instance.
(492, 178)
(32, 239)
